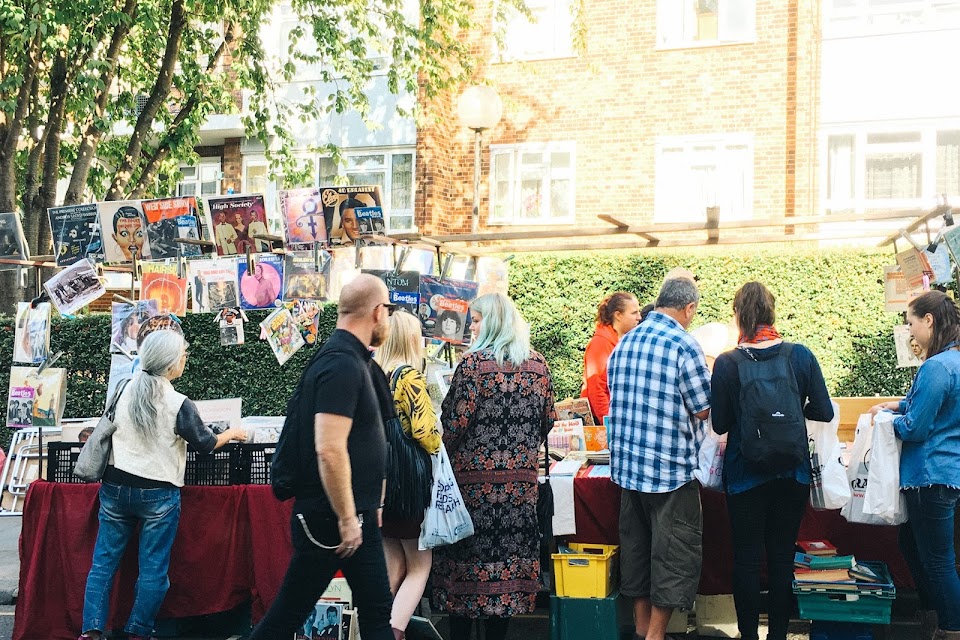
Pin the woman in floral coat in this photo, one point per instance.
(495, 417)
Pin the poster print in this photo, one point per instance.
(169, 219)
(306, 276)
(339, 209)
(403, 287)
(236, 220)
(444, 307)
(214, 284)
(282, 334)
(303, 221)
(31, 343)
(262, 288)
(76, 233)
(36, 400)
(124, 231)
(125, 323)
(13, 244)
(74, 287)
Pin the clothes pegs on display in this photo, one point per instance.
(42, 297)
(320, 257)
(447, 263)
(49, 362)
(251, 263)
(403, 257)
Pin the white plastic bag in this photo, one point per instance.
(710, 463)
(446, 519)
(858, 475)
(883, 497)
(829, 486)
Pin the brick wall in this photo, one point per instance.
(232, 165)
(614, 100)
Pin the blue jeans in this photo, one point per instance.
(121, 509)
(931, 557)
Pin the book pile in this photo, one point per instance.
(818, 567)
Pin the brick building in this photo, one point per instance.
(668, 107)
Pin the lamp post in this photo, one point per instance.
(479, 109)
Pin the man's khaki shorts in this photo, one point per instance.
(661, 546)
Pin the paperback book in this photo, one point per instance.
(220, 415)
(31, 342)
(76, 233)
(231, 322)
(306, 315)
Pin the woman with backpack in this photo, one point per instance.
(401, 358)
(929, 426)
(762, 391)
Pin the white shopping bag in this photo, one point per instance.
(858, 475)
(883, 497)
(710, 464)
(829, 486)
(446, 520)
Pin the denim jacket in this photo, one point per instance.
(930, 424)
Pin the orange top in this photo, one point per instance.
(595, 358)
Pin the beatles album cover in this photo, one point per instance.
(36, 400)
(444, 308)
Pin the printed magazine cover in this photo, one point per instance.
(169, 219)
(160, 322)
(303, 221)
(35, 400)
(31, 343)
(306, 315)
(214, 284)
(263, 288)
(573, 409)
(231, 327)
(343, 269)
(75, 287)
(161, 284)
(403, 287)
(908, 351)
(370, 221)
(282, 334)
(221, 415)
(124, 230)
(236, 220)
(76, 233)
(339, 210)
(301, 277)
(13, 244)
(444, 307)
(125, 323)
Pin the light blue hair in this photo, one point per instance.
(502, 331)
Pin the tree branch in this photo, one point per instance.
(8, 146)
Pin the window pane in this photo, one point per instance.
(209, 188)
(560, 198)
(366, 179)
(187, 189)
(374, 161)
(840, 167)
(531, 197)
(502, 202)
(948, 163)
(328, 172)
(401, 182)
(255, 179)
(707, 20)
(893, 176)
(893, 138)
(188, 172)
(560, 160)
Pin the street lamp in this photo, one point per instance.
(479, 109)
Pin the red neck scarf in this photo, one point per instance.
(764, 332)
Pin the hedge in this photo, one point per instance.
(831, 301)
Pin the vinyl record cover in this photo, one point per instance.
(282, 334)
(13, 244)
(306, 315)
(263, 288)
(305, 277)
(236, 220)
(370, 221)
(75, 287)
(31, 343)
(403, 287)
(444, 308)
(125, 323)
(160, 322)
(124, 231)
(167, 290)
(76, 233)
(213, 284)
(339, 209)
(303, 221)
(36, 400)
(169, 219)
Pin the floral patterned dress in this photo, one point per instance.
(494, 420)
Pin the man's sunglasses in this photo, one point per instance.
(389, 306)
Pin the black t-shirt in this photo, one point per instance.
(341, 382)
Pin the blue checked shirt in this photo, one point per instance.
(658, 379)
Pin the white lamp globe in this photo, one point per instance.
(480, 108)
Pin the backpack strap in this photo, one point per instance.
(786, 348)
(396, 375)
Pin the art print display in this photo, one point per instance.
(76, 233)
(370, 221)
(36, 400)
(403, 287)
(31, 342)
(13, 244)
(74, 287)
(908, 349)
(306, 276)
(262, 288)
(444, 308)
(214, 284)
(236, 220)
(125, 323)
(161, 284)
(282, 334)
(231, 322)
(306, 314)
(169, 219)
(303, 221)
(124, 231)
(339, 210)
(343, 269)
(220, 415)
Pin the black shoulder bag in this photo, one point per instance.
(545, 514)
(409, 468)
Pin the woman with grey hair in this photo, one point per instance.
(142, 485)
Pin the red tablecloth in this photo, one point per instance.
(233, 546)
(597, 509)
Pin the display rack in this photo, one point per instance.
(24, 464)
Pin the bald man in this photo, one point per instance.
(336, 516)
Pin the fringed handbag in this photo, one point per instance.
(409, 468)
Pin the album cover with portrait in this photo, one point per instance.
(36, 400)
(124, 231)
(213, 284)
(169, 219)
(31, 340)
(325, 622)
(444, 308)
(76, 233)
(261, 288)
(237, 220)
(340, 206)
(370, 221)
(125, 323)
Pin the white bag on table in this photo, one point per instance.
(710, 463)
(829, 486)
(446, 519)
(858, 475)
(883, 497)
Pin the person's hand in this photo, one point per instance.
(351, 536)
(380, 517)
(237, 434)
(888, 406)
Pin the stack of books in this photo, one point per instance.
(818, 568)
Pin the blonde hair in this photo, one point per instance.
(502, 329)
(403, 345)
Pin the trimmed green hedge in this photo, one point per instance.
(831, 301)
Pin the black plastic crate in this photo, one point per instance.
(218, 469)
(61, 459)
(255, 460)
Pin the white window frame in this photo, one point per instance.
(519, 29)
(515, 150)
(663, 209)
(667, 21)
(206, 170)
(906, 16)
(387, 169)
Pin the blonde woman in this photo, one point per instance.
(401, 358)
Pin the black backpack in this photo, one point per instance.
(773, 431)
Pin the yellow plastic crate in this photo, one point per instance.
(592, 572)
